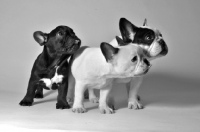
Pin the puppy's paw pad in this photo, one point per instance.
(25, 102)
(79, 110)
(39, 95)
(94, 100)
(106, 110)
(62, 106)
(135, 105)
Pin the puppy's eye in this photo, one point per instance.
(134, 59)
(149, 37)
(60, 34)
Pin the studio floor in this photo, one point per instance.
(172, 104)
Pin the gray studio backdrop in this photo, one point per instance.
(95, 21)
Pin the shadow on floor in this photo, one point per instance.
(44, 101)
(45, 98)
(163, 90)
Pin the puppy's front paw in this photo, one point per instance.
(135, 105)
(26, 102)
(80, 109)
(62, 105)
(94, 100)
(106, 110)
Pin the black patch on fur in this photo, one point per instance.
(144, 36)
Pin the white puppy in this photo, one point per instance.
(151, 41)
(98, 67)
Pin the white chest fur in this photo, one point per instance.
(56, 79)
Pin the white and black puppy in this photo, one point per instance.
(150, 39)
(50, 69)
(147, 38)
(98, 67)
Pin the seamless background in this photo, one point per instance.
(171, 84)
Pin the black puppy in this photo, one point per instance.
(50, 69)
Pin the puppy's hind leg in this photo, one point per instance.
(92, 97)
(132, 88)
(128, 85)
(111, 99)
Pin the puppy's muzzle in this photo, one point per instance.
(147, 69)
(147, 62)
(143, 68)
(163, 47)
(75, 44)
(148, 65)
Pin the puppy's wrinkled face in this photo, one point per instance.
(61, 40)
(152, 41)
(149, 39)
(127, 61)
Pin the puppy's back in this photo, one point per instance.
(88, 62)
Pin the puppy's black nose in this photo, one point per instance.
(164, 47)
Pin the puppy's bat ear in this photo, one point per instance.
(120, 41)
(108, 51)
(40, 37)
(127, 30)
(145, 22)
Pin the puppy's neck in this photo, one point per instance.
(50, 52)
(52, 58)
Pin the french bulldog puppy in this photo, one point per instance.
(147, 38)
(98, 67)
(50, 69)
